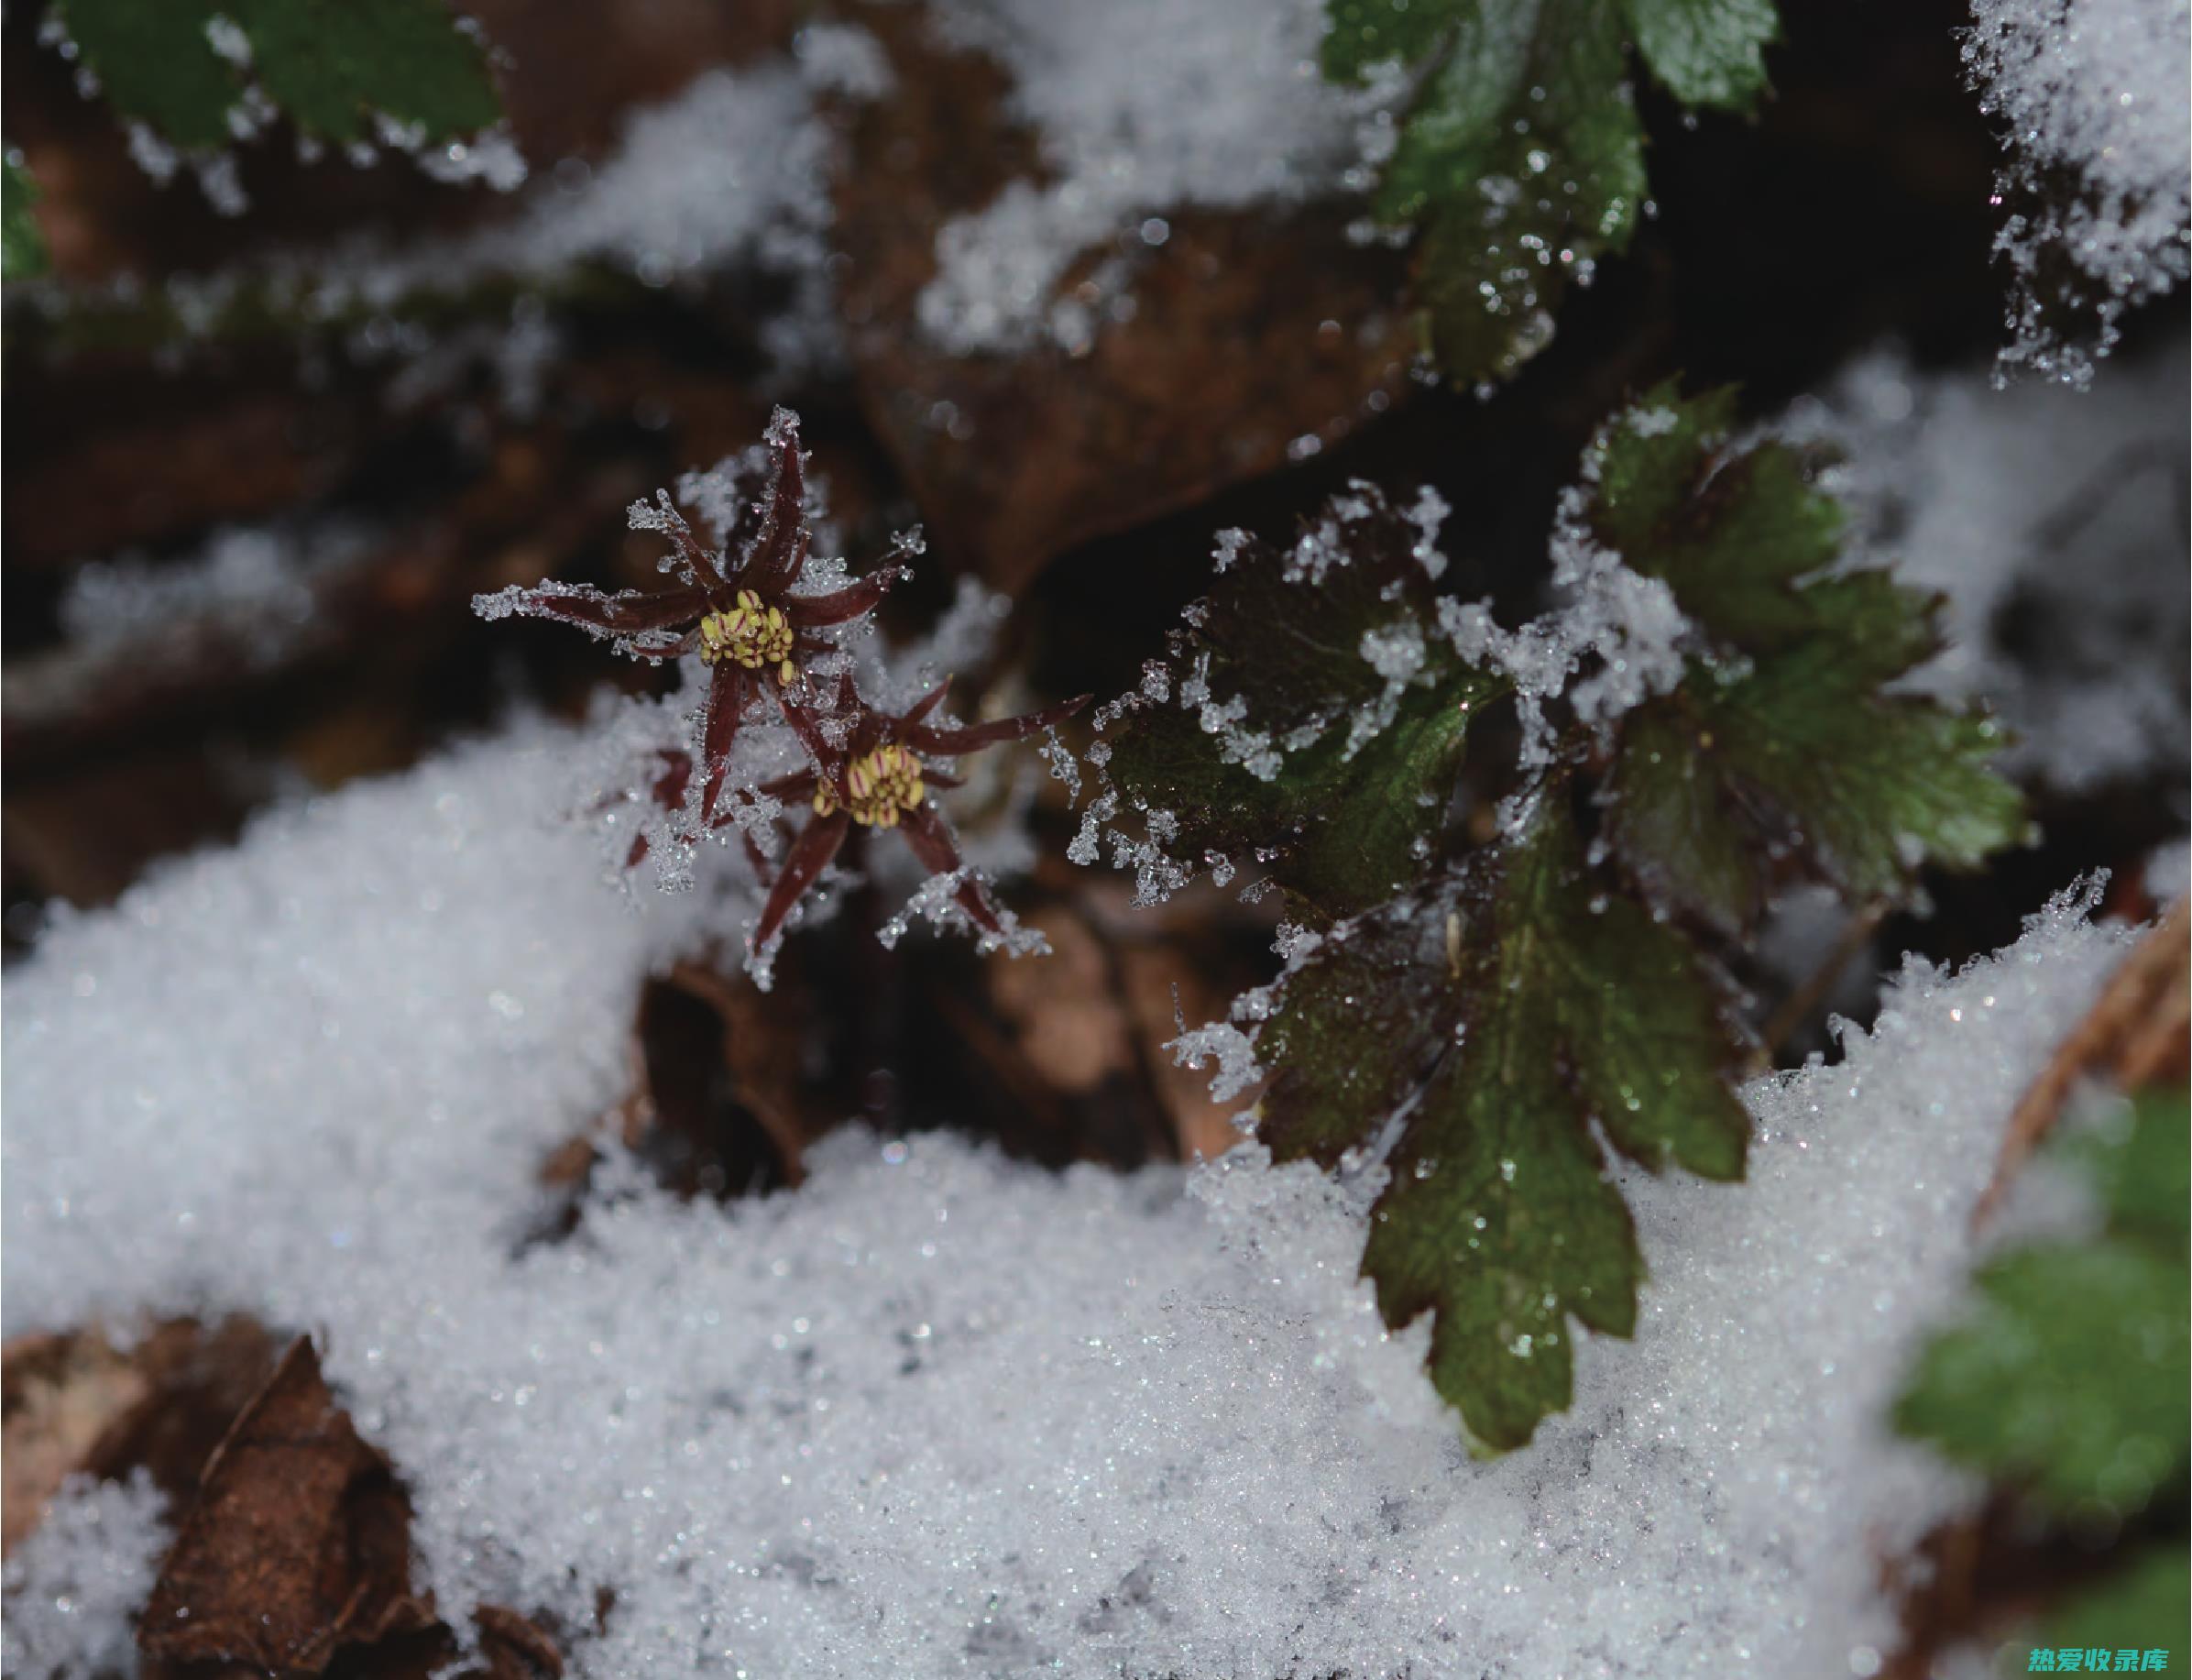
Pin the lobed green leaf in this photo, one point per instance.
(2067, 1377)
(330, 64)
(1341, 819)
(1521, 159)
(1781, 743)
(1540, 1007)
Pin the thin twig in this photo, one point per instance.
(2134, 1032)
(1798, 1007)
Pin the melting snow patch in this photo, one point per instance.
(75, 1585)
(1142, 105)
(2090, 94)
(935, 1413)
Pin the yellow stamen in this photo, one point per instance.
(750, 635)
(878, 788)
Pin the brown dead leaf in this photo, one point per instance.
(72, 1403)
(62, 1392)
(297, 1544)
(1250, 331)
(2133, 1036)
(1084, 1032)
(1065, 1011)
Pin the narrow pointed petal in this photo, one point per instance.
(629, 612)
(923, 738)
(807, 611)
(805, 726)
(928, 702)
(810, 855)
(726, 698)
(781, 550)
(933, 844)
(799, 785)
(693, 551)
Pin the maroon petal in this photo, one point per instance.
(628, 612)
(807, 611)
(927, 702)
(694, 551)
(799, 785)
(932, 842)
(727, 697)
(923, 738)
(781, 550)
(805, 726)
(809, 856)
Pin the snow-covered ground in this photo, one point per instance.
(935, 1413)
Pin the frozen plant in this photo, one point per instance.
(190, 78)
(1518, 159)
(770, 636)
(1712, 709)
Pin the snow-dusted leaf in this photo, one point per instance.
(332, 63)
(2067, 1378)
(1305, 718)
(1522, 159)
(1541, 1005)
(1782, 742)
(182, 67)
(22, 246)
(1707, 52)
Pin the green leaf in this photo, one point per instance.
(2068, 1376)
(2069, 1379)
(1539, 1004)
(2142, 1604)
(2143, 1170)
(1781, 741)
(22, 246)
(1278, 740)
(1707, 52)
(1517, 1013)
(329, 63)
(157, 66)
(1521, 161)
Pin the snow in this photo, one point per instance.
(936, 1412)
(248, 596)
(74, 1586)
(253, 583)
(1613, 637)
(2054, 522)
(2089, 95)
(1142, 106)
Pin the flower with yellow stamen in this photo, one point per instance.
(752, 635)
(879, 786)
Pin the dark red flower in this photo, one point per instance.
(742, 617)
(879, 777)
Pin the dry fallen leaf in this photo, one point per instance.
(297, 1544)
(2135, 1035)
(72, 1403)
(1250, 331)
